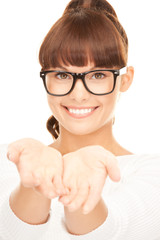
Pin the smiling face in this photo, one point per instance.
(80, 37)
(81, 112)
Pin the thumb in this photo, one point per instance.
(14, 152)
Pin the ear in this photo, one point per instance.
(126, 79)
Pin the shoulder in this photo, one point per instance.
(137, 160)
(137, 170)
(140, 167)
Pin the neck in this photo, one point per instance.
(68, 142)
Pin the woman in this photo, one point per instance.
(104, 190)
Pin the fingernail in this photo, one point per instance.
(59, 191)
(71, 209)
(37, 182)
(85, 211)
(118, 177)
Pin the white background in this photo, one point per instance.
(23, 103)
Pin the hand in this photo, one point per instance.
(40, 167)
(85, 172)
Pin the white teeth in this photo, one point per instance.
(81, 111)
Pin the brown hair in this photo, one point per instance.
(88, 31)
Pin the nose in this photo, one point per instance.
(79, 92)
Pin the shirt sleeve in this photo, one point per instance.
(133, 203)
(11, 227)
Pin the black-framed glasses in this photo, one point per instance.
(97, 82)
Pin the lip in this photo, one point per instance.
(73, 107)
(81, 115)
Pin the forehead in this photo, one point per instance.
(77, 69)
(73, 68)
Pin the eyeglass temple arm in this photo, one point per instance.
(123, 70)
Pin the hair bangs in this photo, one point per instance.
(80, 38)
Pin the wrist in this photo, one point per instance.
(29, 206)
(78, 223)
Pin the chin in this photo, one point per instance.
(81, 131)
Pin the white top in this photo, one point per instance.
(133, 205)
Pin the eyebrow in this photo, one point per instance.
(93, 68)
(63, 68)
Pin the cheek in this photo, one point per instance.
(110, 100)
(53, 103)
(109, 104)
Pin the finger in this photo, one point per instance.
(45, 191)
(60, 189)
(113, 170)
(37, 177)
(13, 152)
(47, 188)
(28, 180)
(79, 199)
(93, 198)
(114, 173)
(94, 194)
(71, 195)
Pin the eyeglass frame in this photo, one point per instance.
(116, 73)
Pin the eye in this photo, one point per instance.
(98, 75)
(62, 75)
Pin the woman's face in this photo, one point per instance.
(85, 122)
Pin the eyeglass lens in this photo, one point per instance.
(97, 82)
